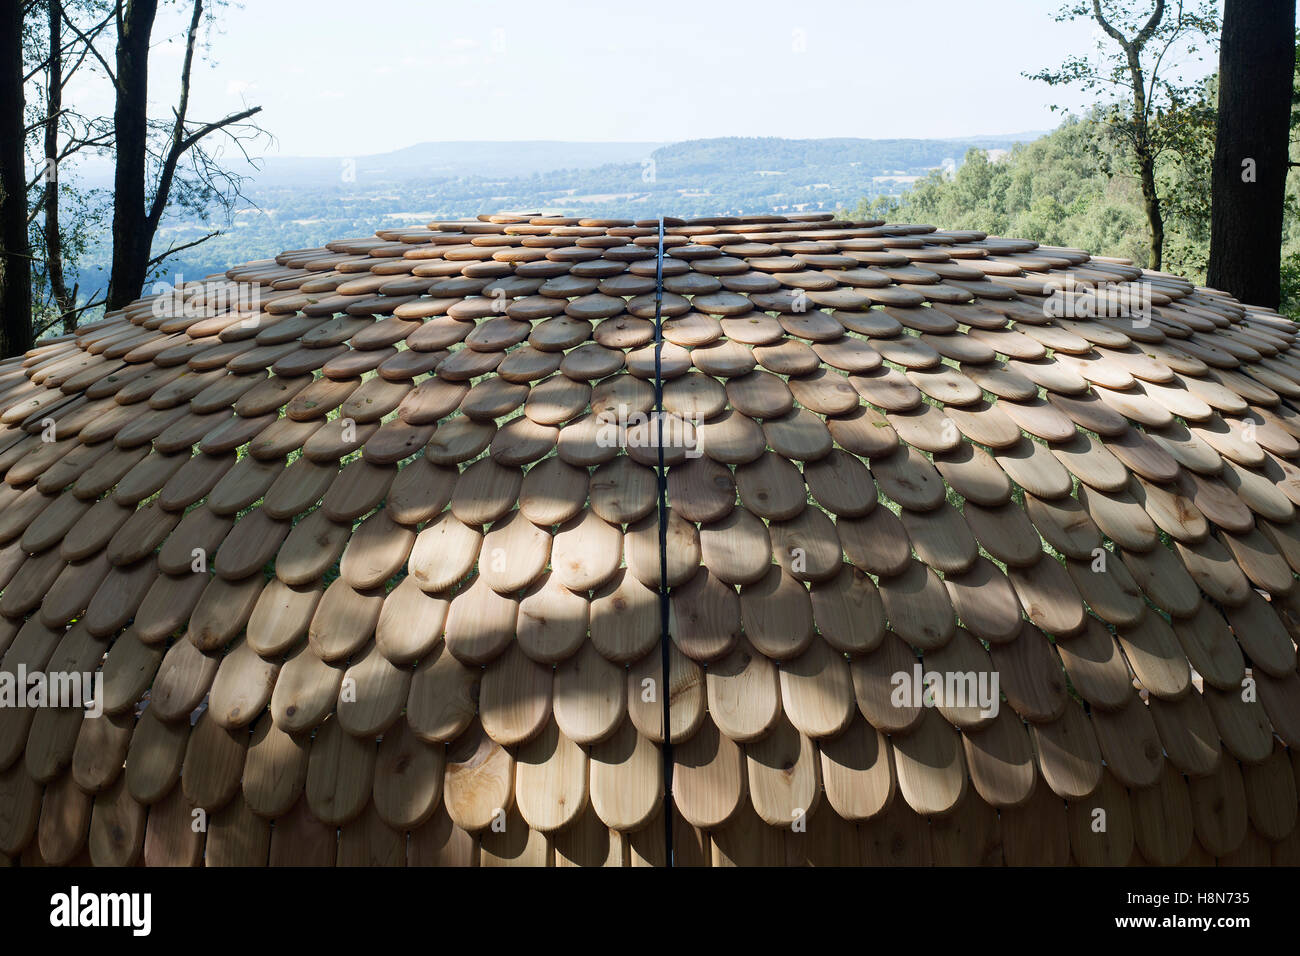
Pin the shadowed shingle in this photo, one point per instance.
(367, 540)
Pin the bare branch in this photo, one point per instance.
(1145, 33)
(36, 206)
(168, 171)
(88, 47)
(172, 250)
(1111, 31)
(44, 121)
(68, 47)
(1155, 68)
(74, 146)
(219, 124)
(94, 303)
(89, 41)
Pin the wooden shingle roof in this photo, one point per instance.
(365, 542)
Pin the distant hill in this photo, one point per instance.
(450, 160)
(491, 160)
(294, 203)
(727, 155)
(723, 156)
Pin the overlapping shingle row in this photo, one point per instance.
(364, 542)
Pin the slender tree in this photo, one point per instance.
(136, 214)
(15, 250)
(161, 165)
(1150, 109)
(63, 302)
(1257, 58)
(64, 132)
(131, 121)
(62, 217)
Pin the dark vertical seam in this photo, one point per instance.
(663, 551)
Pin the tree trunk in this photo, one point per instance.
(1151, 202)
(1146, 163)
(1256, 66)
(53, 238)
(131, 235)
(15, 249)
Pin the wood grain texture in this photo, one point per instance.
(373, 573)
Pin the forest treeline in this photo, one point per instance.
(1062, 190)
(1141, 173)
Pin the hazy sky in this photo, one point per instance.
(345, 78)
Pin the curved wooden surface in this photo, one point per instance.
(364, 540)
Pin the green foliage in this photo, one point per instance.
(1050, 190)
(1137, 72)
(1060, 190)
(88, 215)
(1143, 101)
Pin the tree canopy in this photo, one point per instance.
(1072, 188)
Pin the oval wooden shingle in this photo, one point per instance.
(343, 591)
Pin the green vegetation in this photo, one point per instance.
(1051, 190)
(1065, 189)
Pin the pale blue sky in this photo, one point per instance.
(346, 78)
